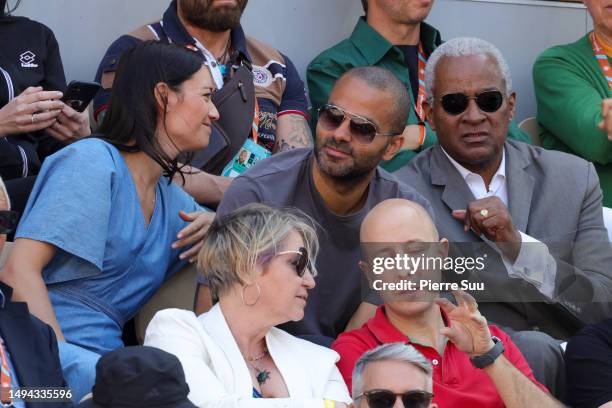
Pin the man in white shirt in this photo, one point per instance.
(536, 214)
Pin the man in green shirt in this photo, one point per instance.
(570, 87)
(392, 35)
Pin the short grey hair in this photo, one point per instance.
(237, 242)
(390, 352)
(464, 47)
(5, 191)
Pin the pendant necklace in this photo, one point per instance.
(261, 374)
(221, 59)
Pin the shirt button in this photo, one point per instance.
(434, 362)
(214, 64)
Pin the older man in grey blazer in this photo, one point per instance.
(536, 214)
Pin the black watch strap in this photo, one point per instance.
(489, 357)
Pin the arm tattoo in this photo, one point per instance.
(297, 133)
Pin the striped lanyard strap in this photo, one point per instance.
(422, 96)
(602, 59)
(255, 129)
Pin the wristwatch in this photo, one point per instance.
(489, 357)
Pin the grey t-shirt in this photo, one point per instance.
(285, 180)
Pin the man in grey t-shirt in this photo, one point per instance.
(336, 183)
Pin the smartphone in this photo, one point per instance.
(79, 94)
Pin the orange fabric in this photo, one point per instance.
(5, 376)
(602, 58)
(605, 47)
(420, 112)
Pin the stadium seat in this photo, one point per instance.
(531, 127)
(178, 292)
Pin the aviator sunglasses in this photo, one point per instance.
(8, 221)
(362, 129)
(301, 262)
(487, 101)
(386, 398)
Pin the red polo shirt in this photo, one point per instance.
(456, 382)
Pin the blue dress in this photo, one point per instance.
(108, 261)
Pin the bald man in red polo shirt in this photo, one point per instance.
(474, 364)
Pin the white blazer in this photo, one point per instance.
(218, 376)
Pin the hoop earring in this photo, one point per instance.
(244, 288)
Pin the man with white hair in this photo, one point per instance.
(397, 370)
(535, 214)
(28, 348)
(391, 370)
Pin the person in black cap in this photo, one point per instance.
(139, 376)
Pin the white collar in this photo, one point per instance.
(212, 64)
(465, 173)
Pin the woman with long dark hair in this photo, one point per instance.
(104, 226)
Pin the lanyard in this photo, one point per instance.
(422, 96)
(602, 59)
(5, 377)
(256, 122)
(418, 107)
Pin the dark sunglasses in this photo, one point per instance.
(386, 398)
(487, 101)
(8, 221)
(301, 261)
(362, 129)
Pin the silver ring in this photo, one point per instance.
(484, 212)
(33, 118)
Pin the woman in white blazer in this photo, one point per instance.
(259, 264)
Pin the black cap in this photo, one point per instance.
(139, 377)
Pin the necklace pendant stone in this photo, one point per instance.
(263, 376)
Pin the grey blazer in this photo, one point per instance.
(552, 196)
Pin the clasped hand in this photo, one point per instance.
(490, 217)
(35, 109)
(606, 115)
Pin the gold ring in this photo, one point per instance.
(484, 212)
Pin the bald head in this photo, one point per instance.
(398, 220)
